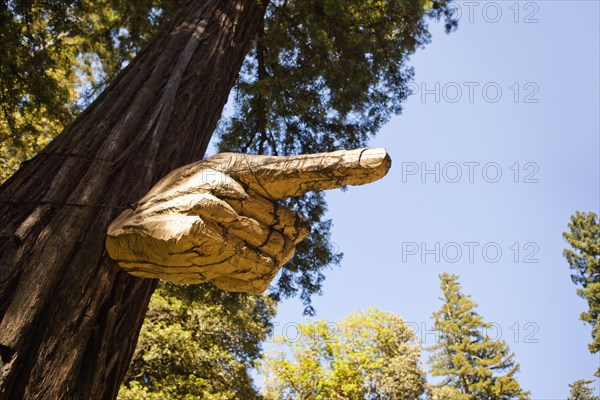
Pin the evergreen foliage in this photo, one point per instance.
(584, 260)
(581, 390)
(198, 342)
(56, 56)
(465, 356)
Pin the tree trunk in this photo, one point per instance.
(69, 316)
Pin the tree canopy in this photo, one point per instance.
(56, 57)
(367, 355)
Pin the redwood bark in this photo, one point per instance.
(69, 316)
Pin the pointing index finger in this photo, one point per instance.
(278, 177)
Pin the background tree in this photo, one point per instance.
(198, 343)
(581, 390)
(584, 260)
(468, 359)
(368, 355)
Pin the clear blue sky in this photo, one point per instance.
(555, 141)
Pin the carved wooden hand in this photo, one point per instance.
(217, 220)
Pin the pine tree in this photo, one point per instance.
(581, 390)
(584, 261)
(469, 360)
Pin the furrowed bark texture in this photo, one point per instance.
(69, 316)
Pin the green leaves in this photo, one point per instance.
(35, 78)
(368, 355)
(55, 58)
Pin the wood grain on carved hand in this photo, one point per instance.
(218, 220)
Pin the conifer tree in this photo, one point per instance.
(581, 390)
(469, 360)
(584, 261)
